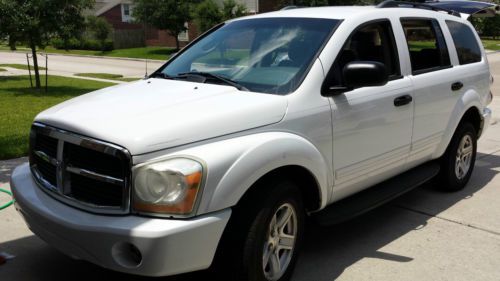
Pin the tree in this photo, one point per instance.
(171, 15)
(34, 22)
(231, 10)
(208, 13)
(7, 24)
(100, 29)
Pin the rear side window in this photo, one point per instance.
(428, 51)
(468, 50)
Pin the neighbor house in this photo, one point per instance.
(127, 33)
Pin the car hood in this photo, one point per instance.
(155, 114)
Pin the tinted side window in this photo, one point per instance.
(468, 50)
(371, 42)
(428, 51)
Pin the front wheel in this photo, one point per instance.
(264, 235)
(458, 161)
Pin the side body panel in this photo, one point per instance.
(438, 109)
(371, 136)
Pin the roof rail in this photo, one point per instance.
(418, 5)
(292, 7)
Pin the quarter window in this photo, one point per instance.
(428, 51)
(468, 50)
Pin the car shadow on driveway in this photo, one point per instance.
(327, 251)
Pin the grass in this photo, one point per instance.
(21, 66)
(156, 53)
(490, 44)
(1, 69)
(107, 76)
(19, 104)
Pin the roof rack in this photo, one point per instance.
(292, 7)
(418, 5)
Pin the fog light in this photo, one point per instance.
(126, 255)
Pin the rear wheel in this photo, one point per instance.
(264, 235)
(458, 161)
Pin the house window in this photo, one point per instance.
(184, 36)
(126, 13)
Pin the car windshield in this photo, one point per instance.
(268, 55)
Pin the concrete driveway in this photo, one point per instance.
(423, 235)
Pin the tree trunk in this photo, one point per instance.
(35, 65)
(12, 43)
(177, 43)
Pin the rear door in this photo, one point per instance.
(433, 79)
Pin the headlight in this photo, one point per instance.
(167, 187)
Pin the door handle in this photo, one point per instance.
(402, 100)
(456, 86)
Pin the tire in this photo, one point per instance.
(251, 234)
(458, 161)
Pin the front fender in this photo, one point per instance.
(233, 165)
(267, 152)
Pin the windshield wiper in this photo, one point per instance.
(160, 75)
(225, 80)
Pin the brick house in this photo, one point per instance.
(119, 13)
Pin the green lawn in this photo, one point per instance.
(107, 76)
(491, 44)
(19, 104)
(20, 66)
(157, 53)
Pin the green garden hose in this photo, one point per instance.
(8, 203)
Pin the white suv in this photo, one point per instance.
(220, 155)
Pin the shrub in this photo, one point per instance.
(100, 30)
(69, 44)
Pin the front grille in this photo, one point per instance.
(80, 171)
(95, 192)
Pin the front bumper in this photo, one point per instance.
(131, 244)
(486, 119)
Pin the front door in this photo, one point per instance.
(372, 126)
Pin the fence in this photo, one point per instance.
(128, 38)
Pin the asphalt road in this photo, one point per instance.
(70, 65)
(423, 235)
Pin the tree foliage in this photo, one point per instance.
(34, 22)
(208, 13)
(231, 10)
(100, 29)
(170, 15)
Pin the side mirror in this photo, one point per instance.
(358, 74)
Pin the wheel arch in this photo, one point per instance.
(469, 109)
(275, 156)
(309, 187)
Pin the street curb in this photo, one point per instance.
(90, 56)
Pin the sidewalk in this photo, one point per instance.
(15, 72)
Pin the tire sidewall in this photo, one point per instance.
(450, 181)
(286, 193)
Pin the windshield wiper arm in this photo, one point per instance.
(225, 80)
(160, 75)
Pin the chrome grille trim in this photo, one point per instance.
(94, 175)
(45, 157)
(62, 191)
